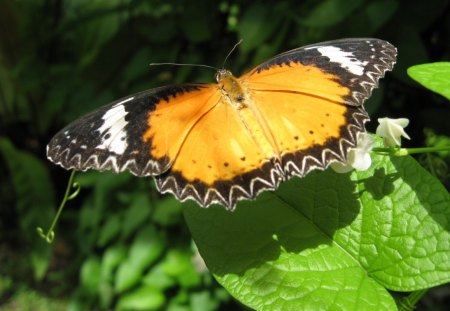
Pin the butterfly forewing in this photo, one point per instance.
(356, 64)
(115, 137)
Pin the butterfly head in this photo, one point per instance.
(223, 74)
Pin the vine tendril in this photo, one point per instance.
(50, 235)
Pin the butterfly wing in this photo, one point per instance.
(311, 99)
(120, 135)
(355, 64)
(194, 144)
(222, 160)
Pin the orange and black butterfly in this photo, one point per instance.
(230, 140)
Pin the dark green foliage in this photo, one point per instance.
(120, 244)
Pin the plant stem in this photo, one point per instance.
(409, 303)
(405, 151)
(50, 235)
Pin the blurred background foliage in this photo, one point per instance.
(119, 244)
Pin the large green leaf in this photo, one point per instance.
(331, 241)
(434, 76)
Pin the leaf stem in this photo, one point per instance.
(409, 303)
(405, 151)
(50, 235)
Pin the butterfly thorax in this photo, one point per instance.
(231, 88)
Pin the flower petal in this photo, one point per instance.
(357, 158)
(391, 130)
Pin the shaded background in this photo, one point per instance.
(120, 243)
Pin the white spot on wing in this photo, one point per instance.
(346, 59)
(113, 128)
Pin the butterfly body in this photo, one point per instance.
(230, 140)
(232, 90)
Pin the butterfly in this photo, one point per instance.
(227, 141)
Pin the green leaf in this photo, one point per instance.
(178, 264)
(35, 201)
(254, 28)
(331, 241)
(157, 278)
(196, 22)
(112, 257)
(93, 211)
(99, 21)
(90, 275)
(106, 294)
(110, 229)
(167, 212)
(433, 76)
(147, 246)
(378, 13)
(127, 276)
(204, 301)
(163, 30)
(143, 298)
(136, 214)
(330, 12)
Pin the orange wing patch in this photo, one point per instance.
(297, 127)
(304, 109)
(219, 148)
(207, 142)
(171, 120)
(298, 78)
(224, 156)
(308, 131)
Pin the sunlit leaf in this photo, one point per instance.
(331, 241)
(143, 298)
(127, 276)
(434, 76)
(178, 265)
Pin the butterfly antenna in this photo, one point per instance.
(181, 64)
(229, 53)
